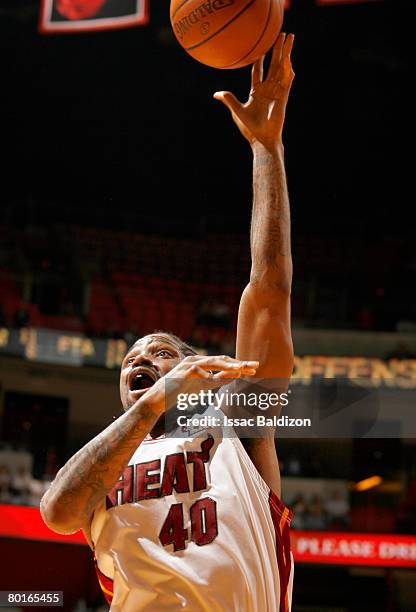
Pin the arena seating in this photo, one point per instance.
(136, 282)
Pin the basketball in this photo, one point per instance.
(226, 33)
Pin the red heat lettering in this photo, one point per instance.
(122, 492)
(174, 475)
(144, 479)
(199, 458)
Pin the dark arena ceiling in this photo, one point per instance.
(111, 127)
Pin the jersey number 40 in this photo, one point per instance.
(204, 525)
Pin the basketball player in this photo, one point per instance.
(196, 523)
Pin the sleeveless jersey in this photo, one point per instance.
(191, 525)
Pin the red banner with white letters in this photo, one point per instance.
(331, 548)
(354, 548)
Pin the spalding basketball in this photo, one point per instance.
(226, 33)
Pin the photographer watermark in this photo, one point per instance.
(229, 403)
(245, 407)
(229, 399)
(260, 420)
(324, 408)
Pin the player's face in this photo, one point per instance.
(149, 359)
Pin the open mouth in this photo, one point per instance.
(141, 379)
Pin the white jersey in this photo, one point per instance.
(191, 525)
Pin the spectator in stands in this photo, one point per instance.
(5, 482)
(36, 490)
(21, 317)
(293, 466)
(315, 516)
(299, 510)
(20, 486)
(47, 481)
(51, 463)
(337, 509)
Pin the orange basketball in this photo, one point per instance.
(226, 33)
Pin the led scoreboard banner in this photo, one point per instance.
(61, 348)
(72, 349)
(369, 549)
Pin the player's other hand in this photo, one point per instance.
(261, 118)
(193, 374)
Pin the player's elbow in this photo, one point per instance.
(57, 518)
(272, 286)
(270, 292)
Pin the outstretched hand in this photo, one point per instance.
(262, 117)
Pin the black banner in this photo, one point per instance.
(86, 15)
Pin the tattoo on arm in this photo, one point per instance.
(91, 472)
(270, 224)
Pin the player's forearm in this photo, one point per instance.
(91, 473)
(270, 225)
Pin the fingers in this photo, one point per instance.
(229, 100)
(223, 362)
(276, 56)
(198, 372)
(224, 366)
(226, 370)
(257, 72)
(288, 46)
(287, 72)
(281, 57)
(236, 373)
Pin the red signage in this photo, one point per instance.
(354, 548)
(327, 547)
(27, 523)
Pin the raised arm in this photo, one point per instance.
(263, 330)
